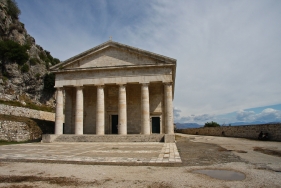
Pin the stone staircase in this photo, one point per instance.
(47, 138)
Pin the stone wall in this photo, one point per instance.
(18, 131)
(247, 131)
(26, 112)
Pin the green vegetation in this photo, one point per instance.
(4, 142)
(15, 27)
(24, 68)
(48, 58)
(49, 83)
(37, 76)
(14, 52)
(13, 9)
(28, 105)
(34, 61)
(212, 124)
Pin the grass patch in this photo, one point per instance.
(268, 151)
(4, 142)
(28, 105)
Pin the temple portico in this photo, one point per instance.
(115, 89)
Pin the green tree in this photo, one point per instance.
(212, 124)
(49, 83)
(25, 68)
(14, 52)
(11, 51)
(13, 9)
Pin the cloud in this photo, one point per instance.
(245, 115)
(267, 115)
(192, 118)
(225, 52)
(176, 113)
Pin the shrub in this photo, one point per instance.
(13, 9)
(49, 83)
(37, 76)
(56, 61)
(25, 68)
(12, 51)
(33, 61)
(211, 124)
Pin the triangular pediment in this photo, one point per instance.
(113, 54)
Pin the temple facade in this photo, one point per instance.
(115, 89)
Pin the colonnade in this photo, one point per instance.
(122, 110)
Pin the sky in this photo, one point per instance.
(228, 52)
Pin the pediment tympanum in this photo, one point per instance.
(110, 57)
(112, 54)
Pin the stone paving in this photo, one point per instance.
(146, 153)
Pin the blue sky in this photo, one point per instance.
(228, 52)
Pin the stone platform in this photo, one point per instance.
(94, 153)
(48, 138)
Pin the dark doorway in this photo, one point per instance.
(114, 124)
(155, 124)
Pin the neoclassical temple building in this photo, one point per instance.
(115, 89)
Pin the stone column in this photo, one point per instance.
(145, 113)
(100, 111)
(68, 111)
(169, 124)
(79, 111)
(59, 112)
(122, 111)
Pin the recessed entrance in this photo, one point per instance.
(114, 124)
(155, 124)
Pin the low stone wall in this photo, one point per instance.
(246, 131)
(26, 112)
(18, 131)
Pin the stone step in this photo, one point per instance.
(47, 138)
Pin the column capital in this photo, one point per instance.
(144, 83)
(100, 85)
(60, 88)
(79, 87)
(122, 85)
(168, 83)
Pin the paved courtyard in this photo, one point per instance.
(141, 164)
(151, 153)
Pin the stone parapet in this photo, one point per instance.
(26, 112)
(247, 131)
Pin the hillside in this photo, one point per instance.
(24, 65)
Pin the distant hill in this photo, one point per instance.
(195, 125)
(187, 125)
(251, 123)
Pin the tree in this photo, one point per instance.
(212, 124)
(13, 9)
(11, 51)
(49, 83)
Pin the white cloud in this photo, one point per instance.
(225, 52)
(245, 115)
(267, 115)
